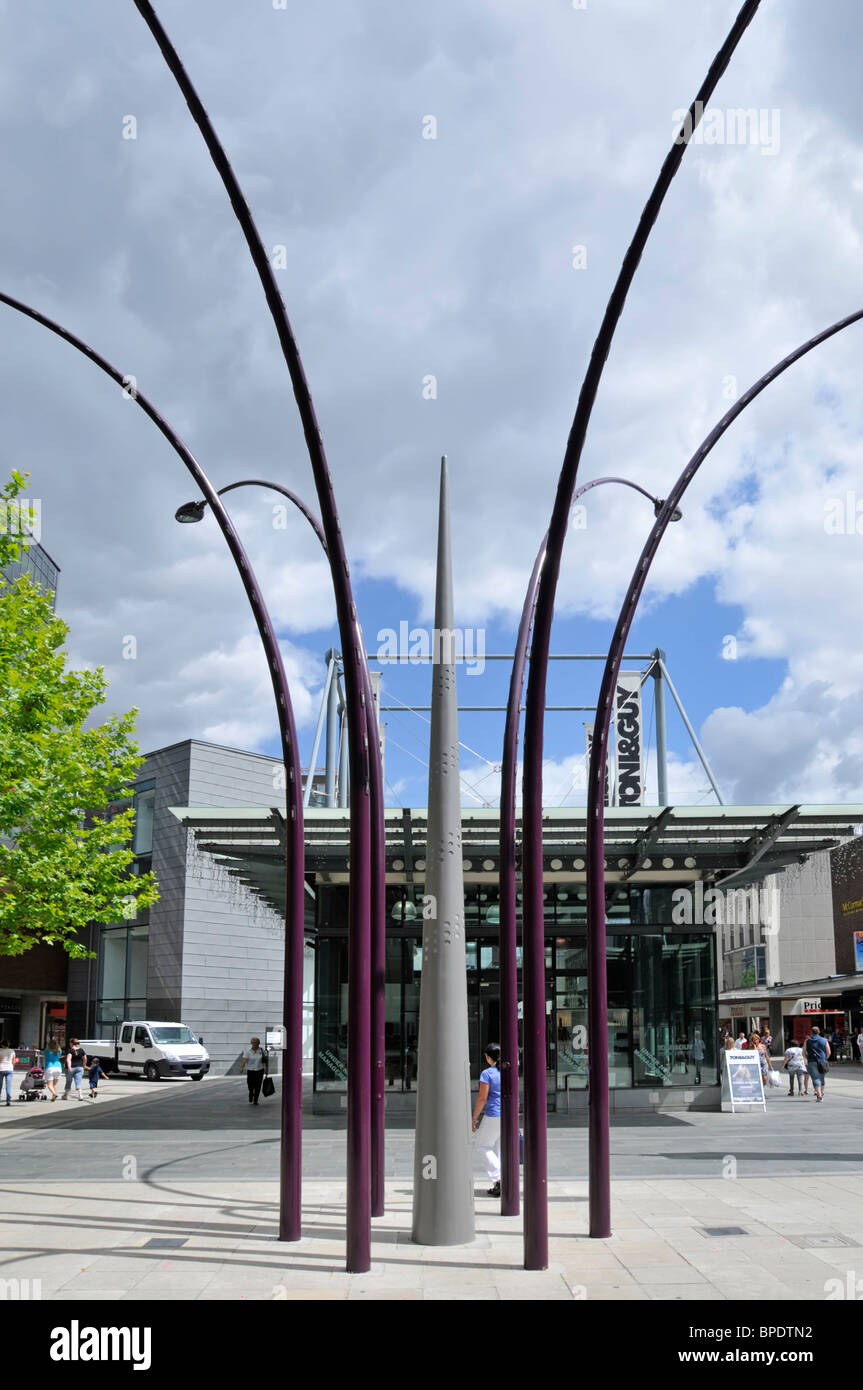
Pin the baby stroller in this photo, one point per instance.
(33, 1085)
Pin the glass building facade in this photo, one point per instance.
(37, 563)
(662, 1011)
(124, 949)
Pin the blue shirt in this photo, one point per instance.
(52, 1059)
(816, 1048)
(491, 1077)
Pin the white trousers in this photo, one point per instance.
(488, 1142)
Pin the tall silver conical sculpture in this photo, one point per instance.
(443, 1168)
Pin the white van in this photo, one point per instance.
(153, 1050)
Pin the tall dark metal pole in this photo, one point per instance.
(509, 1205)
(332, 730)
(535, 1154)
(359, 909)
(600, 1187)
(291, 1156)
(378, 873)
(509, 1168)
(661, 739)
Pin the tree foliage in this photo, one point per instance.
(65, 832)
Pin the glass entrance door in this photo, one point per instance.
(572, 1043)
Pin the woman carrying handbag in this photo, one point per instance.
(269, 1085)
(255, 1067)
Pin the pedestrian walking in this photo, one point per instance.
(817, 1051)
(53, 1068)
(7, 1063)
(763, 1056)
(94, 1072)
(741, 1039)
(730, 1044)
(76, 1060)
(795, 1067)
(486, 1117)
(860, 1045)
(837, 1045)
(697, 1054)
(255, 1066)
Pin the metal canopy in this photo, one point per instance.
(826, 985)
(643, 844)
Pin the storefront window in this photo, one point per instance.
(331, 1013)
(661, 999)
(674, 1020)
(571, 957)
(571, 1017)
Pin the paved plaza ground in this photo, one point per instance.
(170, 1191)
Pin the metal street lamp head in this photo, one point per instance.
(657, 508)
(190, 511)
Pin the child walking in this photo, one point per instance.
(93, 1074)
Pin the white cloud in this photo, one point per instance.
(452, 257)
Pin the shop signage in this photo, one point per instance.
(652, 1064)
(627, 739)
(335, 1064)
(858, 950)
(812, 1006)
(741, 1081)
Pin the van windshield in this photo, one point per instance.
(179, 1033)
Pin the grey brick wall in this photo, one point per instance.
(216, 950)
(233, 948)
(805, 944)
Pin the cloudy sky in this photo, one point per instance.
(481, 258)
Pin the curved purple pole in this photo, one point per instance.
(506, 878)
(535, 1137)
(378, 889)
(600, 1188)
(290, 1203)
(353, 650)
(509, 1205)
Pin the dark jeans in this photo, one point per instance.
(255, 1081)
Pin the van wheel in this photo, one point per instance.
(151, 1071)
(197, 1076)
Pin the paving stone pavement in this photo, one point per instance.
(108, 1241)
(169, 1193)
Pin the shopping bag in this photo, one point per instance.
(269, 1086)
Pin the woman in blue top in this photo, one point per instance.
(488, 1101)
(53, 1070)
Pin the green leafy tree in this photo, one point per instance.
(65, 822)
(12, 514)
